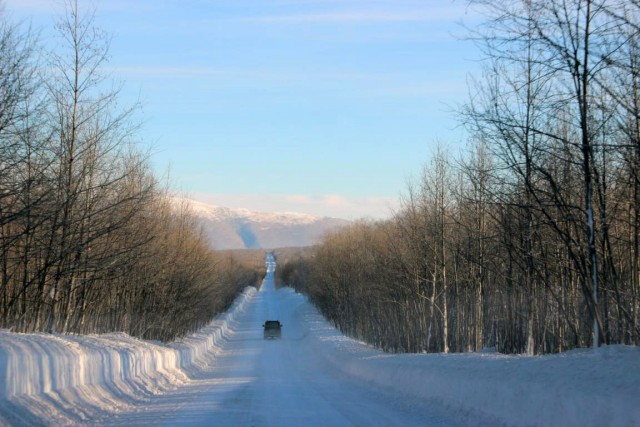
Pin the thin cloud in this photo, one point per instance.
(173, 71)
(376, 84)
(28, 5)
(340, 17)
(383, 83)
(373, 12)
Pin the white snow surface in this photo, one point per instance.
(218, 213)
(228, 375)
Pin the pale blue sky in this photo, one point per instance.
(320, 106)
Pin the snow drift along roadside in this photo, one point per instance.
(584, 387)
(97, 370)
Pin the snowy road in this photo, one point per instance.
(226, 374)
(276, 382)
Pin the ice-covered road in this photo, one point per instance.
(284, 382)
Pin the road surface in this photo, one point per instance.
(286, 382)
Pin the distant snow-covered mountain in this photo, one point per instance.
(231, 228)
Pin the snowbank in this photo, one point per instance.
(579, 388)
(583, 387)
(78, 373)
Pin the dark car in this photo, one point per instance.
(272, 329)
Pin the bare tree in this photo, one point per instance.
(89, 240)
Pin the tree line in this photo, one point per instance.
(529, 241)
(90, 239)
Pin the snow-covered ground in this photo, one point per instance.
(228, 375)
(218, 213)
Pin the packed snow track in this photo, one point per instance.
(258, 382)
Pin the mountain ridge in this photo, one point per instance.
(239, 228)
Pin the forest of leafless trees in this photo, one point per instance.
(529, 241)
(90, 240)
